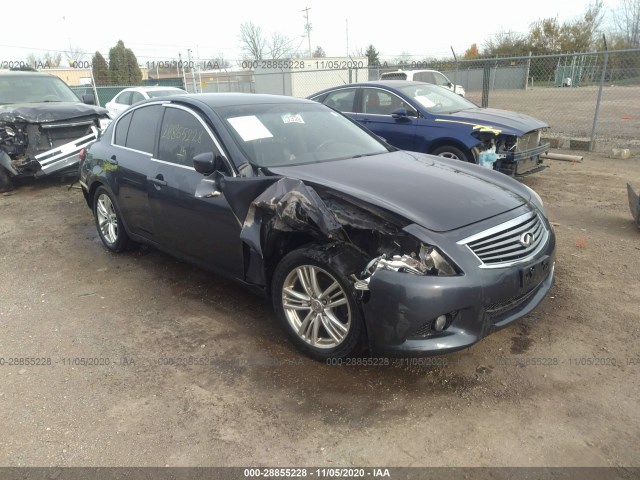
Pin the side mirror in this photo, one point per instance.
(205, 163)
(402, 114)
(89, 99)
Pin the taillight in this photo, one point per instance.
(82, 154)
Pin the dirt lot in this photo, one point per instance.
(560, 388)
(569, 112)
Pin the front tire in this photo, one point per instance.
(453, 153)
(109, 221)
(316, 305)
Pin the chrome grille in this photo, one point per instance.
(503, 243)
(528, 141)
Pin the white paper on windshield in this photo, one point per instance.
(250, 128)
(292, 118)
(425, 101)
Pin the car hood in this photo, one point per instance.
(508, 122)
(48, 112)
(437, 193)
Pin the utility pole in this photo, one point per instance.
(184, 78)
(193, 75)
(307, 27)
(347, 22)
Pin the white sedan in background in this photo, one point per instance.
(129, 96)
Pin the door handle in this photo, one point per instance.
(158, 181)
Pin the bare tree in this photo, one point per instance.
(403, 59)
(74, 56)
(47, 60)
(280, 46)
(627, 21)
(252, 41)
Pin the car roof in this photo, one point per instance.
(19, 73)
(150, 88)
(373, 83)
(215, 100)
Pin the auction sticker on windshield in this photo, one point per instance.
(250, 128)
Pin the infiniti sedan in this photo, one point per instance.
(428, 118)
(359, 245)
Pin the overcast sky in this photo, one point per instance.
(159, 31)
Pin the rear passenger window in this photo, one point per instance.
(183, 137)
(143, 127)
(121, 130)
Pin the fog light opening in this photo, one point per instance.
(440, 323)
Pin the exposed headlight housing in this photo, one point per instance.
(428, 262)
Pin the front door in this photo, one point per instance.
(200, 228)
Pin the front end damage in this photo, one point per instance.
(513, 155)
(415, 300)
(34, 145)
(362, 241)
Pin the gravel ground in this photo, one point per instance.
(559, 388)
(569, 112)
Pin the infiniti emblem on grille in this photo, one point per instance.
(526, 239)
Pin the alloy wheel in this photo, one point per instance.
(316, 306)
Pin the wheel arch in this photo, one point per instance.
(451, 142)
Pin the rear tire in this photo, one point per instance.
(453, 153)
(6, 185)
(109, 221)
(316, 305)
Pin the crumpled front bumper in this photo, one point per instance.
(481, 301)
(522, 163)
(64, 156)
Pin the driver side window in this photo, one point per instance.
(182, 137)
(379, 102)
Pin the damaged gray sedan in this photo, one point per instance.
(360, 246)
(43, 126)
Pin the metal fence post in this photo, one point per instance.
(486, 78)
(592, 143)
(526, 76)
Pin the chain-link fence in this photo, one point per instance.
(593, 98)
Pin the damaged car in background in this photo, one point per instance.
(43, 126)
(427, 118)
(359, 245)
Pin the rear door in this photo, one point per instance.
(133, 139)
(374, 111)
(202, 229)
